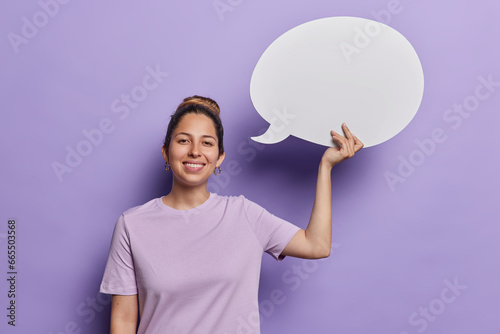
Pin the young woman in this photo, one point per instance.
(189, 262)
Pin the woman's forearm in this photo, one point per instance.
(315, 241)
(319, 229)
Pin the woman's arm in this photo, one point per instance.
(315, 241)
(124, 310)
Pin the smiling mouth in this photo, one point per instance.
(193, 165)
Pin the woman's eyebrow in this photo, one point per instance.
(188, 134)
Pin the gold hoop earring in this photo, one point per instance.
(167, 167)
(218, 169)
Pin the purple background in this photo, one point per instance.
(394, 248)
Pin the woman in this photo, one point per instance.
(189, 262)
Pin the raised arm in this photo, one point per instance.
(124, 314)
(315, 241)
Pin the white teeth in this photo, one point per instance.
(193, 165)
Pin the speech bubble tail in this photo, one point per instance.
(271, 137)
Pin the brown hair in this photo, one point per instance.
(198, 105)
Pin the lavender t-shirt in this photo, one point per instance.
(196, 271)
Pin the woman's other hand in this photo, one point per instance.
(349, 145)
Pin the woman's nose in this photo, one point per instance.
(194, 150)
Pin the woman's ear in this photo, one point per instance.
(221, 158)
(164, 153)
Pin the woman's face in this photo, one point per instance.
(194, 150)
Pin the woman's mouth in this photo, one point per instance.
(193, 167)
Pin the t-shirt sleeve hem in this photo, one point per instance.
(118, 290)
(291, 233)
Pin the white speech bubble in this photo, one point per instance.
(333, 70)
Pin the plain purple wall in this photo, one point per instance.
(397, 248)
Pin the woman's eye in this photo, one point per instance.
(182, 140)
(209, 143)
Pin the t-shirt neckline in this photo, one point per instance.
(194, 210)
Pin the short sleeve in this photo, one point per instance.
(119, 273)
(272, 232)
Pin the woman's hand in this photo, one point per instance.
(348, 146)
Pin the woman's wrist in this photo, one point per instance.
(324, 164)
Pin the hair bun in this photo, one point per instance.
(203, 101)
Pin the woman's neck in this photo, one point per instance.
(185, 198)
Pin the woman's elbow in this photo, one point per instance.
(321, 253)
(324, 254)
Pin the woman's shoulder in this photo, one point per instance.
(142, 208)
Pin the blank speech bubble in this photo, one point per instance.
(333, 70)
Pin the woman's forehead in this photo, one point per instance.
(196, 124)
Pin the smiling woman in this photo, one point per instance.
(189, 262)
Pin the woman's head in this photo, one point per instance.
(198, 105)
(193, 144)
